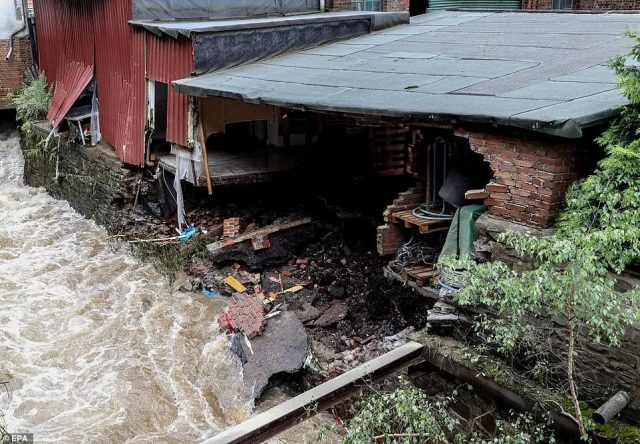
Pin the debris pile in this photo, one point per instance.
(244, 314)
(286, 278)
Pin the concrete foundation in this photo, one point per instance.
(91, 179)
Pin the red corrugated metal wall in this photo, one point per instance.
(120, 79)
(97, 32)
(65, 34)
(170, 59)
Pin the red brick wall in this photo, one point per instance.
(338, 4)
(586, 4)
(391, 237)
(13, 71)
(387, 5)
(531, 175)
(536, 4)
(395, 5)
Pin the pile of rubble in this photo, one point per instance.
(290, 285)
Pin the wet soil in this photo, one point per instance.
(351, 312)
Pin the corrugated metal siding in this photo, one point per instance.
(75, 78)
(65, 35)
(120, 79)
(71, 31)
(474, 4)
(171, 59)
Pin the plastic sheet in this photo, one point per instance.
(206, 9)
(188, 167)
(463, 232)
(96, 135)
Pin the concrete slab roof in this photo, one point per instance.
(174, 28)
(545, 72)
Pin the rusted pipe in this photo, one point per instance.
(563, 423)
(24, 21)
(611, 408)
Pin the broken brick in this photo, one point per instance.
(476, 194)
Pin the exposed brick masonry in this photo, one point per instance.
(387, 5)
(395, 5)
(391, 237)
(531, 175)
(14, 70)
(232, 227)
(586, 4)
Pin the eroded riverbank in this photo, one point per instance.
(93, 344)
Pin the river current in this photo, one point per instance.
(93, 344)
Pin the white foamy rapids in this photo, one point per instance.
(95, 347)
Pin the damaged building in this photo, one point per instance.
(116, 59)
(490, 112)
(448, 127)
(494, 112)
(15, 48)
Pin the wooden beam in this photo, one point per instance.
(205, 158)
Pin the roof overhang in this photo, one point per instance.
(527, 71)
(175, 28)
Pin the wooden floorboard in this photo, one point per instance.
(227, 167)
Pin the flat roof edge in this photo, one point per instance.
(378, 21)
(566, 129)
(549, 11)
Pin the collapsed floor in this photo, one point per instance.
(349, 310)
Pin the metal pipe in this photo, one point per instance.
(563, 423)
(24, 25)
(611, 408)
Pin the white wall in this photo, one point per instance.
(9, 23)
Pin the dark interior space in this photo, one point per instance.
(417, 7)
(160, 107)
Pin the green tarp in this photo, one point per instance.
(463, 233)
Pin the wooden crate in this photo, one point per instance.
(424, 226)
(422, 274)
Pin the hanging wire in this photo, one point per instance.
(413, 253)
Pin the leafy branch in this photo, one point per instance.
(597, 233)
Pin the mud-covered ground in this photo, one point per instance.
(352, 313)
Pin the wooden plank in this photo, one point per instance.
(425, 291)
(429, 230)
(259, 428)
(427, 273)
(392, 172)
(422, 273)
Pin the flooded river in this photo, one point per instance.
(94, 346)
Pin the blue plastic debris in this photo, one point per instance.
(209, 294)
(187, 233)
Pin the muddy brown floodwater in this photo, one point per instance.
(93, 344)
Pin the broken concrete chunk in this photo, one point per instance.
(307, 312)
(333, 315)
(235, 345)
(283, 347)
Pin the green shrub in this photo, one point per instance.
(32, 102)
(407, 415)
(597, 232)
